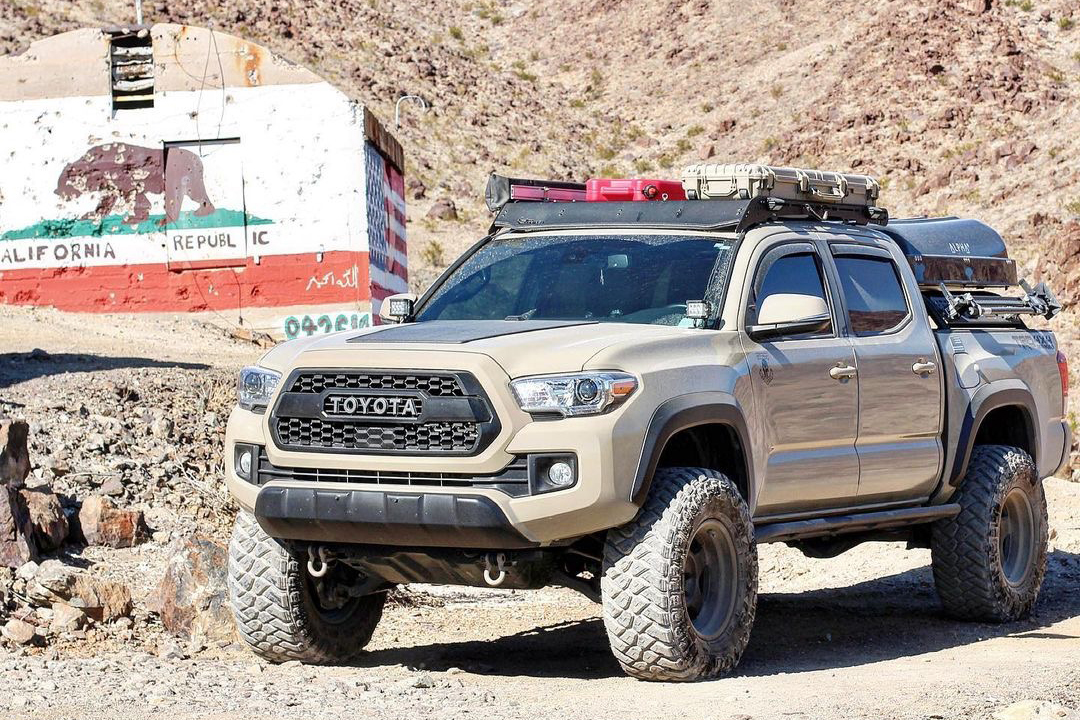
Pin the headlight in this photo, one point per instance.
(578, 394)
(255, 386)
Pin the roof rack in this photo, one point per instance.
(737, 215)
(524, 204)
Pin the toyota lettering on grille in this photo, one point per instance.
(369, 406)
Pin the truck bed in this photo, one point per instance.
(1007, 361)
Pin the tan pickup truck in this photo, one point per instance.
(626, 397)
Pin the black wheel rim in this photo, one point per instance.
(1016, 537)
(710, 577)
(329, 615)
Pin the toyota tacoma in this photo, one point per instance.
(625, 396)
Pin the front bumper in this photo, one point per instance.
(606, 449)
(375, 517)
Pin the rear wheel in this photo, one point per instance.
(989, 561)
(281, 613)
(680, 580)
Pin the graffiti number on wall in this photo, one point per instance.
(307, 325)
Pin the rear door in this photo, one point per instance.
(900, 386)
(809, 417)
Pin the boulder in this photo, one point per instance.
(102, 523)
(102, 600)
(14, 457)
(192, 598)
(1035, 710)
(17, 546)
(1059, 264)
(443, 209)
(417, 189)
(66, 618)
(47, 520)
(18, 632)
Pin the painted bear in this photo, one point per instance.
(122, 172)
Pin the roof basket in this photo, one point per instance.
(736, 215)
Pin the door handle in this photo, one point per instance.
(923, 368)
(842, 372)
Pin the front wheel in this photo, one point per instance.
(989, 561)
(278, 609)
(680, 581)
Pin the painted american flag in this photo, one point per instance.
(387, 249)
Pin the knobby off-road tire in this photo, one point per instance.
(276, 607)
(989, 561)
(660, 622)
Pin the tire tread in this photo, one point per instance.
(646, 623)
(267, 597)
(964, 548)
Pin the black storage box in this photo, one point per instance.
(959, 253)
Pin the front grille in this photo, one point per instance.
(364, 411)
(425, 437)
(436, 385)
(512, 480)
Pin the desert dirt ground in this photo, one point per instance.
(858, 636)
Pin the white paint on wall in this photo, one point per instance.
(297, 170)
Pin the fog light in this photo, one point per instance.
(243, 461)
(561, 474)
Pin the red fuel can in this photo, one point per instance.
(602, 189)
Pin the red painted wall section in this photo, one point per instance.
(278, 280)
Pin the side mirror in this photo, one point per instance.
(397, 308)
(790, 314)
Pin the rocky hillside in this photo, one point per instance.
(959, 106)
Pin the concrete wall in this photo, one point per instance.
(251, 189)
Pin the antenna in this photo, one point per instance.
(397, 106)
(138, 12)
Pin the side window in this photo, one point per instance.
(792, 274)
(875, 298)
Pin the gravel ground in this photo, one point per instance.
(858, 636)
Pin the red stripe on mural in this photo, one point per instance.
(399, 270)
(277, 281)
(380, 293)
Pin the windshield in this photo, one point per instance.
(616, 278)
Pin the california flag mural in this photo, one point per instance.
(176, 169)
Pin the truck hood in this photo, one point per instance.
(522, 347)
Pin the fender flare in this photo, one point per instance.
(683, 412)
(985, 400)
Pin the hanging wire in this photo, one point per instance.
(202, 86)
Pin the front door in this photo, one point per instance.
(807, 409)
(900, 385)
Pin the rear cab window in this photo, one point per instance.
(873, 293)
